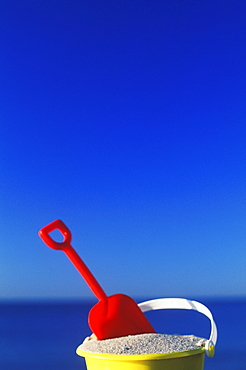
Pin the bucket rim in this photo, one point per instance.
(143, 357)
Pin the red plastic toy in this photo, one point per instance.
(114, 316)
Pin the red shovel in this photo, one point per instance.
(114, 316)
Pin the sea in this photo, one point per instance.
(44, 335)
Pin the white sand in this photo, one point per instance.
(144, 344)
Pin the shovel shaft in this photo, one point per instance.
(86, 274)
(66, 247)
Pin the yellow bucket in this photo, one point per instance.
(187, 360)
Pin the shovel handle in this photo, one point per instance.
(44, 234)
(66, 247)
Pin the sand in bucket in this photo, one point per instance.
(152, 351)
(144, 351)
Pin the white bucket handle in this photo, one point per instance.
(181, 303)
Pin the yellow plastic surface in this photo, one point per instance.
(188, 360)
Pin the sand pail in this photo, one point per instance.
(187, 360)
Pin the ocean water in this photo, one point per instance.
(44, 335)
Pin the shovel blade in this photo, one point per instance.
(118, 316)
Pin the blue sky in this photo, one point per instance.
(127, 120)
